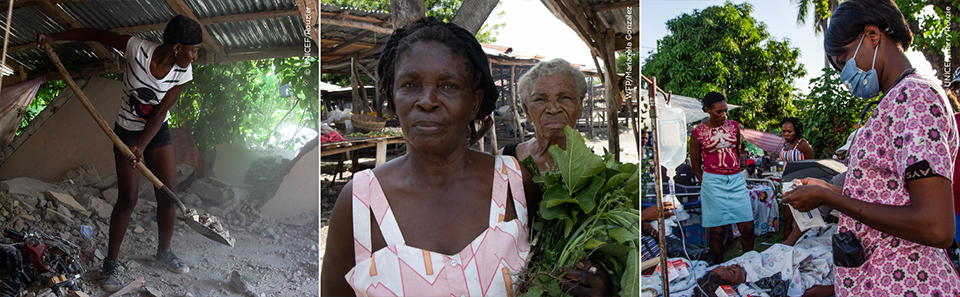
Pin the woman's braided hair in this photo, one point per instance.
(457, 39)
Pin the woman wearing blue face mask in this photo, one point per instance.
(896, 200)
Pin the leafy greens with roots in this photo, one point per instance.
(590, 210)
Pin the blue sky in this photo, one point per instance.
(780, 16)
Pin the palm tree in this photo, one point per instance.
(821, 9)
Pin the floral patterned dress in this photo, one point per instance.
(912, 123)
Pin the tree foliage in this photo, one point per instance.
(935, 35)
(724, 49)
(829, 112)
(240, 102)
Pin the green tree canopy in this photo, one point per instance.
(724, 49)
(829, 113)
(935, 35)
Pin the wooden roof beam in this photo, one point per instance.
(346, 43)
(310, 13)
(65, 20)
(348, 16)
(356, 25)
(212, 48)
(614, 5)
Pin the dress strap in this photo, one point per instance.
(384, 213)
(508, 174)
(368, 197)
(361, 217)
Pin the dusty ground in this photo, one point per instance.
(272, 257)
(330, 187)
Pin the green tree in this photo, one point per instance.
(240, 102)
(724, 49)
(442, 10)
(935, 35)
(829, 112)
(626, 60)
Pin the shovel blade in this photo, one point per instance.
(209, 233)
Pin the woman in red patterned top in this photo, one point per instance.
(723, 190)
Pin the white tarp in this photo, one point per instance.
(692, 107)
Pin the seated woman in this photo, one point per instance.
(441, 220)
(806, 265)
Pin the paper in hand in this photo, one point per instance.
(808, 219)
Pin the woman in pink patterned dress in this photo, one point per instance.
(442, 220)
(897, 195)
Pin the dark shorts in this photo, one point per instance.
(130, 138)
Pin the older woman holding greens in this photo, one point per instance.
(442, 220)
(551, 94)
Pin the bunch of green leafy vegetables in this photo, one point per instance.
(590, 210)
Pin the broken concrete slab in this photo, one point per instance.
(65, 200)
(53, 215)
(299, 191)
(4, 188)
(239, 285)
(184, 172)
(106, 182)
(84, 175)
(110, 195)
(28, 186)
(99, 206)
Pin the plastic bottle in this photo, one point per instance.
(672, 126)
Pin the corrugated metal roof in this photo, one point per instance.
(28, 21)
(105, 15)
(212, 8)
(278, 32)
(26, 34)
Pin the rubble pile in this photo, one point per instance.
(78, 210)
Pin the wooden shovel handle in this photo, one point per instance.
(106, 128)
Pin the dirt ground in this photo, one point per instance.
(330, 187)
(271, 257)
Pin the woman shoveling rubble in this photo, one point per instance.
(154, 77)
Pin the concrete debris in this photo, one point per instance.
(132, 264)
(28, 186)
(207, 191)
(99, 206)
(239, 285)
(184, 172)
(106, 182)
(64, 200)
(4, 188)
(130, 287)
(84, 175)
(98, 254)
(110, 195)
(138, 230)
(53, 215)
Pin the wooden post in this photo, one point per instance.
(357, 105)
(590, 119)
(516, 104)
(610, 91)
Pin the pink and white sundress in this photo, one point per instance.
(488, 266)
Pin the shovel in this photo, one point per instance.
(207, 225)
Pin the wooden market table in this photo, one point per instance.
(355, 144)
